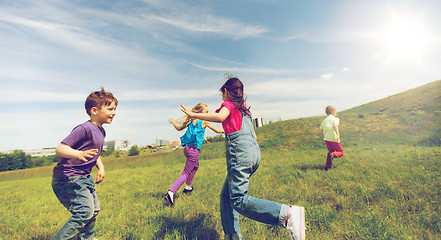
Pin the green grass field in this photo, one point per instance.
(379, 193)
(386, 186)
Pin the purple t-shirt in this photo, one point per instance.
(83, 137)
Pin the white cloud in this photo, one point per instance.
(33, 96)
(378, 55)
(257, 70)
(163, 94)
(211, 24)
(327, 76)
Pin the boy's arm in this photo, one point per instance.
(211, 117)
(101, 173)
(337, 132)
(65, 151)
(177, 126)
(321, 133)
(215, 129)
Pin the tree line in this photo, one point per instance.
(19, 160)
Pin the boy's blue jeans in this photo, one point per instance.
(243, 159)
(78, 195)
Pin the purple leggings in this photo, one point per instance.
(191, 167)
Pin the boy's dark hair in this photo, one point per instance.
(99, 99)
(235, 89)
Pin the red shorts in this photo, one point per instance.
(335, 148)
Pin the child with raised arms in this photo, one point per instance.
(243, 159)
(79, 152)
(331, 135)
(192, 142)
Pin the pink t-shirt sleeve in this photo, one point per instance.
(233, 122)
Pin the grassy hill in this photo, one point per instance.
(412, 117)
(387, 186)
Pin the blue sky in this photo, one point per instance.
(294, 57)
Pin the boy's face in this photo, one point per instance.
(105, 114)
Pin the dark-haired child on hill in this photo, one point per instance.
(331, 135)
(79, 152)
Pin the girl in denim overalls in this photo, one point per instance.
(192, 143)
(243, 159)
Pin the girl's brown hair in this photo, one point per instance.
(99, 99)
(235, 92)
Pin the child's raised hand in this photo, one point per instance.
(186, 111)
(83, 155)
(170, 120)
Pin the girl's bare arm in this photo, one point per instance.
(176, 125)
(211, 117)
(209, 125)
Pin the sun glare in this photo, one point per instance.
(406, 37)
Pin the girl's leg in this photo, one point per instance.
(193, 157)
(178, 183)
(189, 167)
(257, 209)
(229, 216)
(243, 159)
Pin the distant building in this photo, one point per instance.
(36, 152)
(162, 143)
(122, 145)
(150, 146)
(258, 122)
(174, 144)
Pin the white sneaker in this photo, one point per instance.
(169, 198)
(296, 223)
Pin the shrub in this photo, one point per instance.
(134, 150)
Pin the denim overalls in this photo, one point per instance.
(243, 159)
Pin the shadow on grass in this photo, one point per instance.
(197, 227)
(41, 237)
(312, 167)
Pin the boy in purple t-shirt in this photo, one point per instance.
(79, 152)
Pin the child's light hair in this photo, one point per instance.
(330, 110)
(99, 99)
(199, 108)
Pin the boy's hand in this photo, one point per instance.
(83, 155)
(100, 176)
